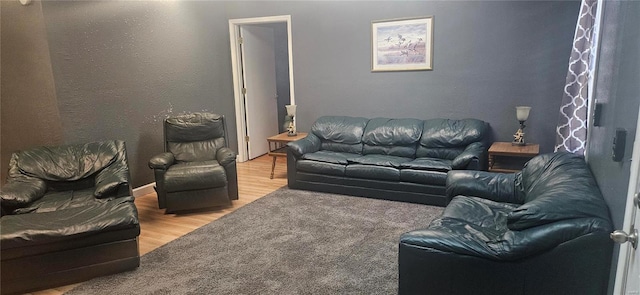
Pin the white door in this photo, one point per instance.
(259, 73)
(628, 272)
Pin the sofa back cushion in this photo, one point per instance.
(447, 138)
(70, 166)
(395, 137)
(340, 133)
(556, 187)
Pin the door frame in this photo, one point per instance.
(236, 68)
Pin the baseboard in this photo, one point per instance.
(144, 190)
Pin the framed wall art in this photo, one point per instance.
(402, 44)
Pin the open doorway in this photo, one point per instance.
(263, 80)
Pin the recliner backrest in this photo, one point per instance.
(340, 133)
(395, 137)
(447, 138)
(194, 137)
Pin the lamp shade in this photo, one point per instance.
(291, 109)
(522, 113)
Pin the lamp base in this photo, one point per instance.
(291, 131)
(518, 138)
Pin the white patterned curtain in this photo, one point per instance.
(571, 133)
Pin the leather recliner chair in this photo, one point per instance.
(544, 230)
(197, 169)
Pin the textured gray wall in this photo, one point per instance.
(121, 67)
(29, 111)
(489, 57)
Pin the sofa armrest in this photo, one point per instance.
(161, 161)
(225, 156)
(471, 158)
(114, 179)
(22, 191)
(113, 184)
(309, 144)
(492, 186)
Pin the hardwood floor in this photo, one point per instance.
(158, 228)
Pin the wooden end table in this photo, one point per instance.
(507, 158)
(278, 146)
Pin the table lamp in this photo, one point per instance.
(522, 114)
(291, 111)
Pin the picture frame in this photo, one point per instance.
(404, 44)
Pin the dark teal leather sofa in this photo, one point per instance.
(544, 230)
(67, 216)
(395, 159)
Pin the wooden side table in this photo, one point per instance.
(508, 158)
(278, 146)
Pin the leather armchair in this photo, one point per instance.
(544, 230)
(67, 216)
(197, 169)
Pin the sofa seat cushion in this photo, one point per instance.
(379, 160)
(312, 166)
(428, 164)
(423, 176)
(329, 157)
(479, 212)
(373, 172)
(194, 176)
(24, 230)
(468, 226)
(53, 201)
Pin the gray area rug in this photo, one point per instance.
(288, 242)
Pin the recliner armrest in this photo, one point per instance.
(474, 151)
(225, 156)
(492, 186)
(309, 144)
(161, 161)
(22, 191)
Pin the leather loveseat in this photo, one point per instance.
(67, 216)
(395, 159)
(544, 230)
